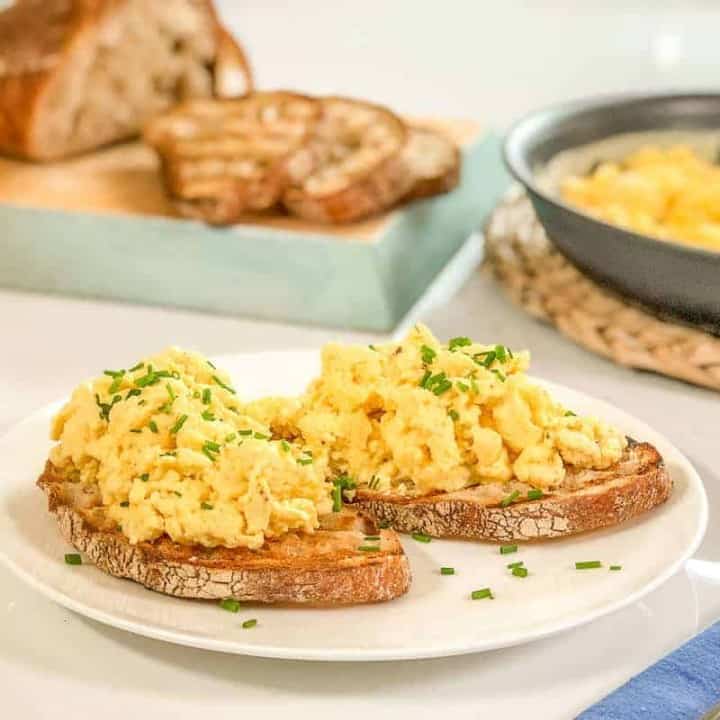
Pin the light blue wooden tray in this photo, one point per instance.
(252, 270)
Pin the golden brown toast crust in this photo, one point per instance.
(634, 485)
(434, 159)
(322, 568)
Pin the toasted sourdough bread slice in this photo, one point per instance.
(322, 568)
(593, 499)
(433, 160)
(222, 158)
(361, 168)
(79, 74)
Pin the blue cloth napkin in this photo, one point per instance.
(681, 686)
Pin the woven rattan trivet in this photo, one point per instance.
(542, 281)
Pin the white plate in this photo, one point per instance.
(436, 618)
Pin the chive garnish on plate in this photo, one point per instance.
(458, 342)
(369, 548)
(514, 565)
(137, 367)
(208, 415)
(245, 432)
(616, 567)
(285, 445)
(206, 396)
(482, 594)
(588, 565)
(144, 477)
(454, 415)
(249, 624)
(125, 503)
(230, 604)
(153, 426)
(206, 505)
(73, 559)
(534, 494)
(421, 537)
(508, 549)
(427, 354)
(447, 571)
(520, 571)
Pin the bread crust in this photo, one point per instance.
(634, 485)
(38, 38)
(322, 568)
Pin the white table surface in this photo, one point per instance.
(457, 58)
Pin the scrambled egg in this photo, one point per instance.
(671, 194)
(173, 451)
(172, 454)
(419, 416)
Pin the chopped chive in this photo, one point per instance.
(511, 498)
(170, 392)
(373, 348)
(206, 505)
(260, 436)
(223, 385)
(125, 503)
(208, 454)
(304, 461)
(383, 524)
(114, 373)
(570, 413)
(179, 494)
(116, 383)
(616, 567)
(372, 538)
(534, 494)
(144, 477)
(170, 453)
(421, 537)
(196, 394)
(135, 430)
(208, 415)
(508, 549)
(501, 376)
(337, 498)
(447, 571)
(133, 393)
(463, 386)
(137, 367)
(234, 410)
(142, 402)
(245, 432)
(520, 571)
(230, 604)
(176, 427)
(153, 426)
(514, 565)
(73, 559)
(588, 565)
(369, 548)
(459, 342)
(285, 445)
(501, 353)
(206, 396)
(425, 378)
(427, 354)
(482, 594)
(213, 446)
(211, 365)
(249, 624)
(229, 438)
(454, 415)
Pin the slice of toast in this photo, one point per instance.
(361, 169)
(433, 160)
(589, 500)
(222, 158)
(326, 567)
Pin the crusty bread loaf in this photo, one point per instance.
(434, 161)
(79, 74)
(323, 568)
(223, 158)
(361, 169)
(590, 499)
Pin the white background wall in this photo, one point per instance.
(490, 59)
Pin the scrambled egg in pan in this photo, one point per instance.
(174, 451)
(420, 416)
(671, 194)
